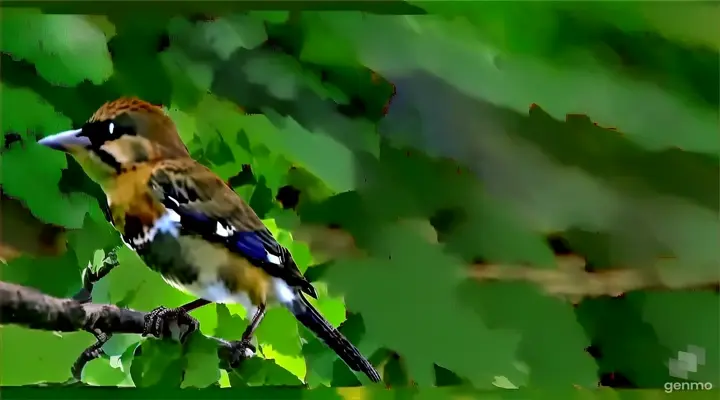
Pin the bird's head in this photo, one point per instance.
(119, 136)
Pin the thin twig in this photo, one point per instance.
(90, 277)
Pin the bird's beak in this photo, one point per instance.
(65, 141)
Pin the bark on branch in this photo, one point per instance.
(25, 306)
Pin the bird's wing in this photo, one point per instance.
(210, 209)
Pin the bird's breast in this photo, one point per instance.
(205, 269)
(129, 194)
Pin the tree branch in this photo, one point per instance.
(569, 280)
(24, 306)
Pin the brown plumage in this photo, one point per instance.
(112, 109)
(152, 124)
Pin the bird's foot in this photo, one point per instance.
(240, 351)
(157, 322)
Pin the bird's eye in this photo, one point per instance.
(111, 128)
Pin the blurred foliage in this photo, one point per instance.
(490, 120)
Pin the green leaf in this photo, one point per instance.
(284, 78)
(225, 35)
(100, 372)
(66, 49)
(332, 308)
(25, 112)
(336, 166)
(272, 168)
(322, 46)
(398, 253)
(488, 229)
(42, 196)
(160, 363)
(185, 123)
(56, 276)
(119, 344)
(260, 372)
(279, 340)
(215, 116)
(39, 356)
(394, 373)
(301, 255)
(202, 362)
(187, 75)
(229, 326)
(553, 342)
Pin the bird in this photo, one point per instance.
(188, 225)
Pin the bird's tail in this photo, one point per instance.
(311, 318)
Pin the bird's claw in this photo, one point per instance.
(241, 351)
(156, 320)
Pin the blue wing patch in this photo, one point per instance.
(257, 246)
(250, 244)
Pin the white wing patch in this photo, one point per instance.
(274, 259)
(224, 230)
(169, 223)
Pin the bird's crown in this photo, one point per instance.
(112, 109)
